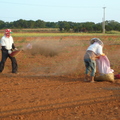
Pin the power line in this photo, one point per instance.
(49, 5)
(91, 7)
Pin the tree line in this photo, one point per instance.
(64, 26)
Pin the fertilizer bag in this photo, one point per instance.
(106, 73)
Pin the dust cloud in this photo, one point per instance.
(68, 53)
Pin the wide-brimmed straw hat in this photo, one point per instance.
(96, 40)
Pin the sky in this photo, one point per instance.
(60, 10)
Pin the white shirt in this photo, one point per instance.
(7, 42)
(96, 48)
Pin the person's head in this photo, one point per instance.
(8, 32)
(93, 40)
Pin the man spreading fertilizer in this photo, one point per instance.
(7, 45)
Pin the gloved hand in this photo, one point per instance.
(9, 51)
(103, 54)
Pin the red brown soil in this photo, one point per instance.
(50, 85)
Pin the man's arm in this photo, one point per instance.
(13, 46)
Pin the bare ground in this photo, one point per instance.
(50, 84)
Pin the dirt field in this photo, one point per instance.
(50, 84)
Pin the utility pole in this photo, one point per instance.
(103, 20)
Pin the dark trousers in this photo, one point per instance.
(5, 55)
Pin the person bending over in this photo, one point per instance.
(94, 51)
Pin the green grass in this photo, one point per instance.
(56, 34)
(48, 34)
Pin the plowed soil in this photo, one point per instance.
(50, 82)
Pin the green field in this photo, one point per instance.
(57, 34)
(46, 32)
